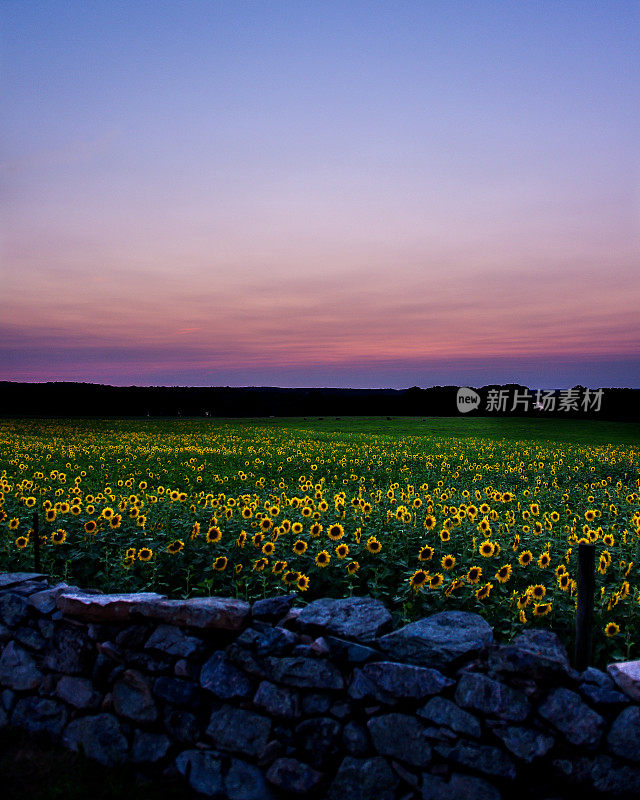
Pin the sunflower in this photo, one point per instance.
(564, 581)
(523, 601)
(257, 539)
(418, 579)
(315, 530)
(260, 564)
(14, 523)
(426, 553)
(484, 591)
(59, 536)
(241, 540)
(335, 532)
(290, 577)
(474, 574)
(115, 521)
(342, 550)
(299, 547)
(175, 547)
(246, 512)
(608, 539)
(436, 580)
(268, 549)
(445, 535)
(214, 534)
(611, 629)
(525, 558)
(279, 567)
(297, 528)
(145, 554)
(50, 515)
(266, 524)
(30, 502)
(21, 542)
(487, 549)
(302, 583)
(107, 513)
(131, 553)
(541, 609)
(220, 564)
(323, 558)
(590, 515)
(448, 562)
(504, 573)
(373, 545)
(353, 567)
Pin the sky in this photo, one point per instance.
(320, 192)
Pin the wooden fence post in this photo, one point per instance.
(584, 611)
(36, 541)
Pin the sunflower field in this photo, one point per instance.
(250, 509)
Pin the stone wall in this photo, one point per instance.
(272, 701)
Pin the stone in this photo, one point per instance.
(246, 782)
(176, 691)
(572, 717)
(316, 703)
(536, 652)
(363, 779)
(71, 651)
(145, 662)
(350, 652)
(277, 701)
(203, 771)
(4, 718)
(132, 698)
(355, 739)
(104, 607)
(479, 757)
(223, 679)
(614, 779)
(44, 602)
(400, 681)
(305, 673)
(318, 740)
(18, 670)
(206, 613)
(624, 736)
(182, 725)
(603, 696)
(597, 677)
(170, 640)
(238, 731)
(626, 675)
(28, 588)
(11, 579)
(14, 609)
(459, 786)
(491, 697)
(272, 608)
(134, 636)
(360, 618)
(439, 641)
(525, 743)
(78, 692)
(7, 699)
(293, 777)
(100, 738)
(39, 715)
(265, 640)
(5, 634)
(31, 638)
(402, 737)
(149, 747)
(445, 712)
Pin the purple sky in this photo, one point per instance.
(363, 194)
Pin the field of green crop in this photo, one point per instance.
(477, 514)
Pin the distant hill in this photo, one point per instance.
(96, 400)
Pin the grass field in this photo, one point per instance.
(482, 514)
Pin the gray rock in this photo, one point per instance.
(277, 701)
(78, 692)
(626, 674)
(491, 697)
(71, 651)
(152, 664)
(223, 679)
(39, 715)
(149, 747)
(132, 698)
(447, 713)
(273, 608)
(402, 737)
(7, 699)
(29, 587)
(572, 717)
(318, 740)
(246, 782)
(363, 779)
(265, 640)
(305, 673)
(18, 670)
(355, 739)
(363, 689)
(439, 640)
(11, 579)
(360, 618)
(350, 652)
(603, 696)
(624, 737)
(479, 757)
(460, 786)
(614, 779)
(104, 607)
(316, 703)
(536, 653)
(597, 677)
(30, 638)
(238, 731)
(203, 771)
(207, 613)
(44, 601)
(406, 680)
(525, 743)
(176, 691)
(293, 777)
(100, 738)
(14, 609)
(170, 640)
(5, 634)
(181, 725)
